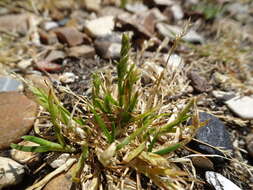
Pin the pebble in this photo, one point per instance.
(25, 157)
(92, 5)
(219, 182)
(249, 144)
(109, 47)
(241, 106)
(44, 65)
(143, 22)
(101, 26)
(136, 7)
(17, 114)
(24, 64)
(49, 25)
(171, 31)
(223, 96)
(164, 2)
(213, 133)
(48, 38)
(10, 84)
(11, 172)
(177, 12)
(67, 77)
(81, 51)
(60, 160)
(198, 82)
(69, 35)
(175, 62)
(55, 55)
(14, 23)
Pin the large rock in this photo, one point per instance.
(17, 114)
(213, 133)
(11, 172)
(241, 106)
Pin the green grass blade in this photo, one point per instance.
(102, 126)
(168, 149)
(30, 148)
(42, 142)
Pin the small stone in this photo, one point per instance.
(175, 62)
(249, 144)
(143, 22)
(24, 64)
(219, 182)
(198, 82)
(48, 66)
(223, 96)
(49, 25)
(11, 172)
(67, 77)
(213, 133)
(136, 7)
(241, 106)
(10, 84)
(25, 157)
(92, 5)
(55, 55)
(60, 160)
(202, 162)
(164, 2)
(177, 12)
(110, 11)
(17, 114)
(108, 47)
(14, 23)
(69, 35)
(81, 51)
(100, 27)
(48, 38)
(171, 31)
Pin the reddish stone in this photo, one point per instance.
(48, 38)
(48, 66)
(69, 35)
(17, 114)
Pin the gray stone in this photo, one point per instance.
(241, 106)
(136, 7)
(219, 182)
(223, 96)
(10, 84)
(213, 133)
(11, 172)
(49, 25)
(60, 160)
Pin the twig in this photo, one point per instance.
(46, 179)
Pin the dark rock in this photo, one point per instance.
(198, 82)
(48, 38)
(213, 133)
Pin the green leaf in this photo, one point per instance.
(135, 152)
(168, 149)
(30, 148)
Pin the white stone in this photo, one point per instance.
(164, 2)
(62, 159)
(136, 7)
(219, 182)
(25, 157)
(177, 11)
(11, 172)
(171, 31)
(68, 77)
(175, 62)
(23, 64)
(50, 25)
(100, 27)
(241, 106)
